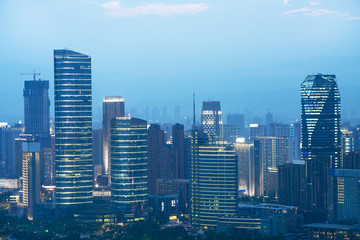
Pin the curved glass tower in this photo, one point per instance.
(320, 137)
(129, 168)
(73, 129)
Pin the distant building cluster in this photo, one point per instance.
(299, 179)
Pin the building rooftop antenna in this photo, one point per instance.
(194, 109)
(34, 74)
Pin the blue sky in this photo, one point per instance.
(252, 55)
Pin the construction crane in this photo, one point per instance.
(34, 74)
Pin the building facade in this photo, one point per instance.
(213, 183)
(211, 119)
(246, 167)
(37, 110)
(129, 188)
(31, 176)
(320, 138)
(112, 107)
(73, 130)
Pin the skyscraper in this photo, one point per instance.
(246, 167)
(213, 182)
(73, 130)
(158, 156)
(31, 176)
(112, 107)
(178, 146)
(292, 184)
(269, 153)
(37, 110)
(211, 119)
(320, 137)
(129, 168)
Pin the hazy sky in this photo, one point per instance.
(252, 55)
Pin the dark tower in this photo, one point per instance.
(37, 110)
(321, 139)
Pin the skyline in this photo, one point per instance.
(249, 53)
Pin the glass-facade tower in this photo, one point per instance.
(73, 129)
(112, 107)
(213, 182)
(211, 119)
(320, 138)
(129, 168)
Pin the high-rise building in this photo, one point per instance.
(237, 120)
(320, 139)
(8, 164)
(352, 160)
(213, 182)
(347, 141)
(178, 147)
(246, 167)
(31, 176)
(158, 157)
(271, 152)
(294, 142)
(97, 152)
(37, 110)
(292, 183)
(257, 130)
(73, 130)
(176, 186)
(211, 119)
(112, 107)
(344, 196)
(129, 189)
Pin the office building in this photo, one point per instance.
(292, 182)
(97, 150)
(246, 167)
(165, 207)
(179, 187)
(178, 147)
(9, 167)
(294, 142)
(319, 231)
(73, 131)
(159, 157)
(237, 120)
(352, 160)
(230, 133)
(270, 152)
(129, 189)
(257, 130)
(112, 107)
(213, 183)
(344, 196)
(37, 110)
(320, 138)
(211, 119)
(31, 176)
(347, 141)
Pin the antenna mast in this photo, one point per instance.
(34, 74)
(194, 109)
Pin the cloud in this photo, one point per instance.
(286, 1)
(309, 12)
(354, 18)
(114, 9)
(314, 3)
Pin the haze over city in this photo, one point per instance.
(251, 55)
